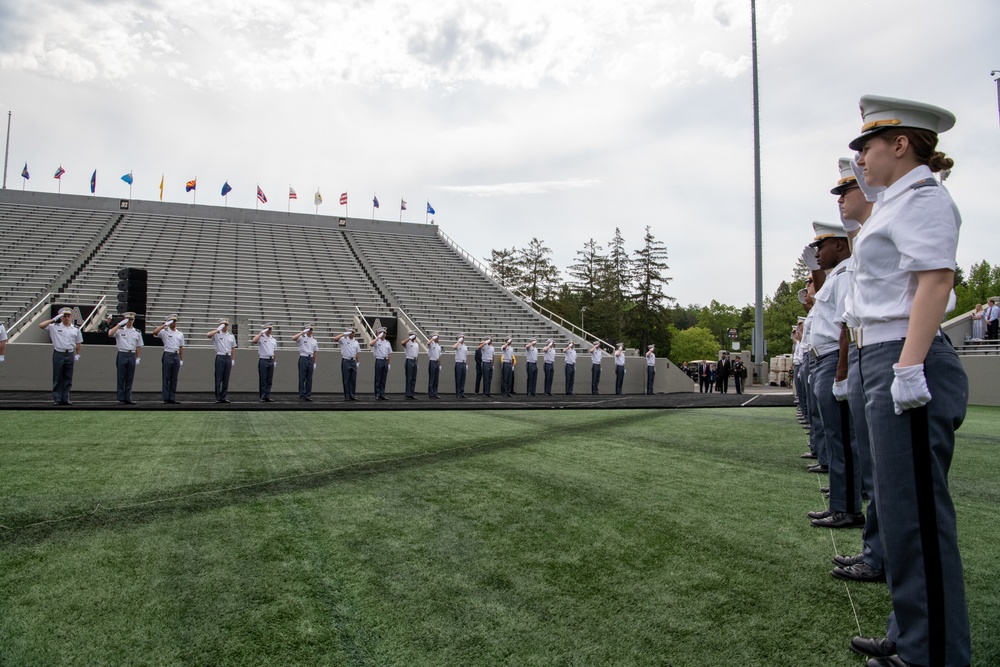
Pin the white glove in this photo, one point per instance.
(182, 362)
(274, 363)
(840, 389)
(221, 327)
(388, 367)
(909, 388)
(168, 323)
(314, 366)
(233, 363)
(1, 358)
(809, 257)
(307, 330)
(138, 361)
(76, 358)
(871, 193)
(122, 323)
(347, 333)
(264, 330)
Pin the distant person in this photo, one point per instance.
(569, 366)
(713, 377)
(507, 367)
(531, 366)
(549, 364)
(128, 340)
(477, 357)
(105, 326)
(461, 365)
(66, 341)
(225, 358)
(992, 320)
(433, 364)
(308, 346)
(724, 369)
(349, 350)
(173, 356)
(650, 368)
(619, 368)
(704, 370)
(739, 374)
(486, 350)
(382, 351)
(266, 345)
(3, 343)
(979, 323)
(596, 355)
(411, 348)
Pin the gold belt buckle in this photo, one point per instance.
(856, 334)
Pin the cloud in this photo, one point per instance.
(726, 67)
(522, 188)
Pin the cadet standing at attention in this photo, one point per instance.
(650, 368)
(266, 345)
(915, 388)
(461, 365)
(225, 359)
(531, 368)
(507, 367)
(596, 354)
(128, 340)
(349, 350)
(549, 364)
(173, 356)
(619, 368)
(382, 351)
(66, 340)
(570, 366)
(486, 350)
(433, 364)
(411, 348)
(307, 360)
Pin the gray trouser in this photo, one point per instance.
(223, 369)
(171, 363)
(619, 377)
(872, 542)
(461, 368)
(411, 377)
(532, 373)
(433, 377)
(650, 374)
(911, 456)
(125, 367)
(845, 470)
(349, 375)
(570, 377)
(381, 375)
(265, 375)
(550, 373)
(487, 367)
(506, 378)
(62, 375)
(595, 378)
(305, 376)
(817, 442)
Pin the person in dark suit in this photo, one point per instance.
(713, 377)
(478, 358)
(703, 377)
(724, 370)
(739, 374)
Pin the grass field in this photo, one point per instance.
(643, 537)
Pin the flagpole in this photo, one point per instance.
(194, 197)
(130, 184)
(6, 152)
(289, 198)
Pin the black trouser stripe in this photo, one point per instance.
(845, 434)
(927, 517)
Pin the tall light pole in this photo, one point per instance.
(994, 73)
(758, 324)
(583, 309)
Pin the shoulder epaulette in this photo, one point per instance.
(925, 183)
(840, 270)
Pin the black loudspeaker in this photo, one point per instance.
(132, 290)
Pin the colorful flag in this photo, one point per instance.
(291, 193)
(59, 172)
(261, 196)
(375, 201)
(191, 185)
(318, 199)
(430, 209)
(161, 187)
(402, 204)
(24, 172)
(343, 199)
(226, 188)
(128, 178)
(93, 182)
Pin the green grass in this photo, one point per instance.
(419, 538)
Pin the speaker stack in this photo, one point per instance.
(132, 284)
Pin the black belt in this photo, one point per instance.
(268, 358)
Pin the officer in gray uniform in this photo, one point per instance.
(596, 354)
(411, 348)
(128, 340)
(382, 351)
(173, 356)
(66, 341)
(433, 364)
(308, 346)
(225, 359)
(650, 369)
(531, 361)
(507, 367)
(486, 349)
(266, 345)
(570, 366)
(461, 365)
(349, 350)
(619, 367)
(549, 364)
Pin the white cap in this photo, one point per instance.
(827, 230)
(223, 320)
(882, 113)
(65, 311)
(847, 178)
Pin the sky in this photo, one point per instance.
(554, 120)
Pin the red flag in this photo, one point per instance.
(343, 199)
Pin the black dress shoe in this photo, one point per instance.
(819, 515)
(808, 455)
(860, 572)
(887, 661)
(847, 561)
(269, 400)
(840, 520)
(66, 403)
(873, 647)
(819, 468)
(824, 489)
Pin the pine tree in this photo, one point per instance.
(538, 275)
(648, 320)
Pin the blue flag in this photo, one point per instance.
(128, 178)
(226, 188)
(430, 209)
(375, 201)
(93, 182)
(24, 172)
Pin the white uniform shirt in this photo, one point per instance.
(531, 355)
(487, 354)
(63, 338)
(596, 356)
(3, 333)
(805, 343)
(461, 353)
(307, 345)
(796, 352)
(173, 339)
(381, 349)
(127, 340)
(508, 354)
(266, 345)
(550, 355)
(571, 355)
(349, 348)
(619, 358)
(434, 351)
(829, 310)
(650, 358)
(411, 348)
(224, 343)
(914, 227)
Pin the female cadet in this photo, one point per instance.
(915, 389)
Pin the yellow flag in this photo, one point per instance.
(161, 187)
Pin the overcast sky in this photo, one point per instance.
(555, 119)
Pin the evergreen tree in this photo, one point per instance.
(504, 266)
(648, 320)
(538, 275)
